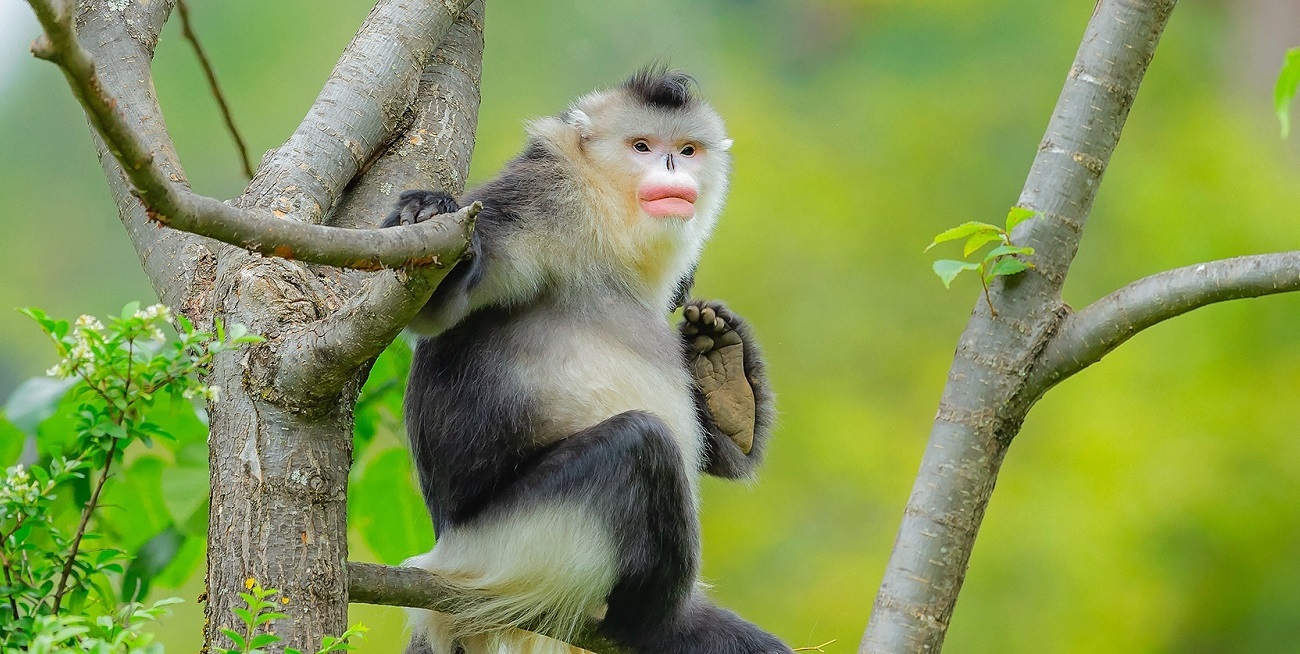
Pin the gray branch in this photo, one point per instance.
(123, 42)
(432, 151)
(257, 230)
(371, 88)
(1089, 335)
(986, 397)
(369, 583)
(318, 359)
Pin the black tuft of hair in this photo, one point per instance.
(657, 86)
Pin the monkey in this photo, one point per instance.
(558, 423)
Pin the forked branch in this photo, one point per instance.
(257, 230)
(1087, 336)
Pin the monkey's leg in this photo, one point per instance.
(629, 472)
(732, 397)
(704, 628)
(604, 519)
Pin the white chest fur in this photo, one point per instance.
(582, 374)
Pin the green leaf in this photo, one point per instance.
(139, 490)
(387, 510)
(978, 241)
(235, 637)
(269, 616)
(1004, 250)
(262, 640)
(34, 401)
(185, 564)
(961, 231)
(1018, 215)
(155, 555)
(1007, 266)
(948, 269)
(1288, 82)
(184, 491)
(12, 442)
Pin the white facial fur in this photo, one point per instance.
(598, 137)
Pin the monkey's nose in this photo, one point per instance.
(669, 163)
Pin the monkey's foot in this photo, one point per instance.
(419, 206)
(717, 361)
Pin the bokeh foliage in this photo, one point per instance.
(1150, 503)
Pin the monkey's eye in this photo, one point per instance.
(641, 146)
(688, 151)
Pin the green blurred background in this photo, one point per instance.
(1152, 504)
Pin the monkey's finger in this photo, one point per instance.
(409, 213)
(707, 316)
(702, 344)
(720, 324)
(691, 313)
(426, 213)
(690, 329)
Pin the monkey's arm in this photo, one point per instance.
(732, 397)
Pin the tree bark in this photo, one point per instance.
(281, 438)
(986, 397)
(281, 448)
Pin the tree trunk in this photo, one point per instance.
(987, 394)
(279, 471)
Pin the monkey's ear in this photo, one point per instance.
(579, 121)
(725, 145)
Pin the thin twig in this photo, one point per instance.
(13, 603)
(81, 528)
(187, 31)
(816, 648)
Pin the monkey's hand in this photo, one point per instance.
(419, 206)
(732, 397)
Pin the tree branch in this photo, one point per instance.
(986, 397)
(256, 230)
(369, 583)
(1089, 335)
(364, 99)
(317, 360)
(187, 31)
(124, 40)
(432, 151)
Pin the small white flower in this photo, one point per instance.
(80, 351)
(209, 393)
(61, 369)
(157, 335)
(154, 312)
(89, 322)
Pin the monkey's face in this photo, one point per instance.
(670, 164)
(668, 180)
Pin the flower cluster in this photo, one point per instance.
(18, 488)
(207, 393)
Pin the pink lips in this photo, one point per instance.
(663, 201)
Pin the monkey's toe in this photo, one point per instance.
(418, 206)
